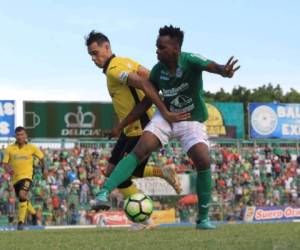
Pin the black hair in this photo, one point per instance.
(173, 32)
(95, 36)
(19, 129)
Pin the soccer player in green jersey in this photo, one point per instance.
(178, 75)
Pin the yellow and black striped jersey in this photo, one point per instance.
(125, 97)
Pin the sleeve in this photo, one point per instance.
(197, 61)
(153, 77)
(121, 70)
(37, 152)
(6, 156)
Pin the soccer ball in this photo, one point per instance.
(138, 207)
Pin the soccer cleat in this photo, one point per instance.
(169, 174)
(20, 226)
(101, 201)
(34, 220)
(148, 224)
(205, 225)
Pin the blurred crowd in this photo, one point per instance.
(242, 177)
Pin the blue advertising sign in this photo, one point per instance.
(261, 213)
(274, 120)
(7, 118)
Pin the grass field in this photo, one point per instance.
(255, 236)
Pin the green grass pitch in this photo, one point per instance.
(284, 236)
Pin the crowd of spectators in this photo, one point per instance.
(246, 176)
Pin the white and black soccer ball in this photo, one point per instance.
(138, 207)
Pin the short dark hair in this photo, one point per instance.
(173, 32)
(19, 129)
(97, 37)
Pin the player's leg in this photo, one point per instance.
(125, 168)
(123, 147)
(199, 154)
(155, 134)
(22, 188)
(194, 141)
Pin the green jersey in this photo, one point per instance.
(183, 92)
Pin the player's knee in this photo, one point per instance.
(141, 153)
(203, 164)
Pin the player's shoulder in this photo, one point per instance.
(192, 56)
(118, 61)
(157, 67)
(31, 146)
(11, 146)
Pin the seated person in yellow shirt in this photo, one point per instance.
(18, 161)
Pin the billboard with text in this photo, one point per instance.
(274, 120)
(7, 118)
(68, 119)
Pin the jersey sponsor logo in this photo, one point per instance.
(179, 72)
(199, 56)
(174, 91)
(185, 109)
(166, 78)
(163, 72)
(181, 101)
(164, 75)
(20, 157)
(123, 76)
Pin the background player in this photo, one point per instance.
(18, 161)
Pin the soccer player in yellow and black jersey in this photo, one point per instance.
(18, 161)
(127, 88)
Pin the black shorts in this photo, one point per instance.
(24, 184)
(125, 145)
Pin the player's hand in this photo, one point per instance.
(176, 117)
(229, 68)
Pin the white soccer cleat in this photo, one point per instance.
(148, 224)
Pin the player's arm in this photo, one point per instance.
(5, 162)
(44, 168)
(39, 154)
(226, 70)
(140, 109)
(136, 81)
(201, 63)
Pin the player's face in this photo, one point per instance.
(167, 49)
(21, 137)
(98, 53)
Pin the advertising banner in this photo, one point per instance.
(7, 118)
(111, 219)
(68, 119)
(119, 218)
(164, 216)
(274, 120)
(225, 120)
(271, 213)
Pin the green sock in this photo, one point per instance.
(204, 193)
(122, 172)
